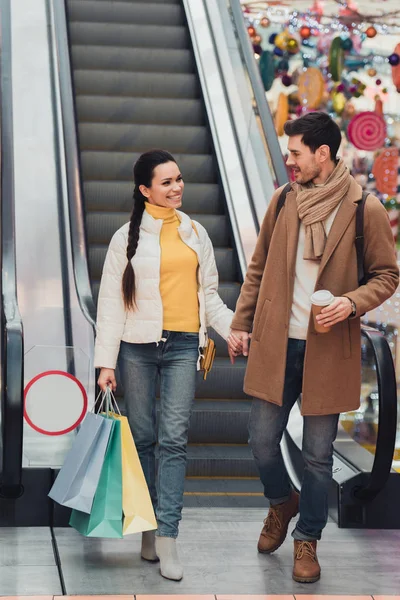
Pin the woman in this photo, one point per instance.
(158, 294)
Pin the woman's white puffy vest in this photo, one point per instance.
(145, 323)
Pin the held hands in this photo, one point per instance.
(338, 311)
(106, 379)
(238, 343)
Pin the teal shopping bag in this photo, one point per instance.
(105, 519)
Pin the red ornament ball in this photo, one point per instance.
(305, 32)
(371, 32)
(378, 82)
(251, 31)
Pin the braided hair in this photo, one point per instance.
(143, 172)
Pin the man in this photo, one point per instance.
(308, 247)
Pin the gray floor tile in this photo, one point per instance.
(25, 546)
(29, 581)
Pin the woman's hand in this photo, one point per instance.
(107, 378)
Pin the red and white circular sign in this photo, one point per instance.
(55, 403)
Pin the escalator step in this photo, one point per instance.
(160, 111)
(141, 36)
(220, 461)
(117, 196)
(124, 12)
(181, 139)
(119, 166)
(225, 380)
(219, 421)
(112, 58)
(100, 226)
(124, 83)
(224, 258)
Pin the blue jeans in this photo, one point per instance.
(174, 360)
(267, 424)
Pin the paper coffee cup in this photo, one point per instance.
(319, 300)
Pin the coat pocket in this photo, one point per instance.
(346, 339)
(261, 320)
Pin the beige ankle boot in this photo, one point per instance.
(149, 546)
(167, 552)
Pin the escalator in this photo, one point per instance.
(136, 88)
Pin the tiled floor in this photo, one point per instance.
(218, 550)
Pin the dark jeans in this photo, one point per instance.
(174, 359)
(267, 424)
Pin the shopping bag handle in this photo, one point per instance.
(111, 401)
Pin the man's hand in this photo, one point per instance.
(107, 378)
(238, 343)
(338, 311)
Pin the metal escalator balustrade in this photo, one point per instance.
(12, 341)
(136, 87)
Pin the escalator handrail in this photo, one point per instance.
(387, 424)
(263, 109)
(72, 164)
(12, 341)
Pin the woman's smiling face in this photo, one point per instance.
(166, 186)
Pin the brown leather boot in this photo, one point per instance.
(276, 524)
(306, 566)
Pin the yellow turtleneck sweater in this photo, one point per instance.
(178, 274)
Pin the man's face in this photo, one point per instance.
(302, 161)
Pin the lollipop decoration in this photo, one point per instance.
(367, 131)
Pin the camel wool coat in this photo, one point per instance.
(332, 366)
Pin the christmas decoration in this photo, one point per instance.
(287, 80)
(265, 22)
(311, 88)
(347, 44)
(371, 32)
(336, 58)
(396, 70)
(267, 69)
(367, 131)
(282, 113)
(292, 46)
(305, 32)
(394, 59)
(385, 171)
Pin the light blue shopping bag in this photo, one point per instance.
(78, 479)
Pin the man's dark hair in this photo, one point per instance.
(316, 129)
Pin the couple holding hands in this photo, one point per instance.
(159, 293)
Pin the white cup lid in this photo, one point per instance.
(322, 298)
